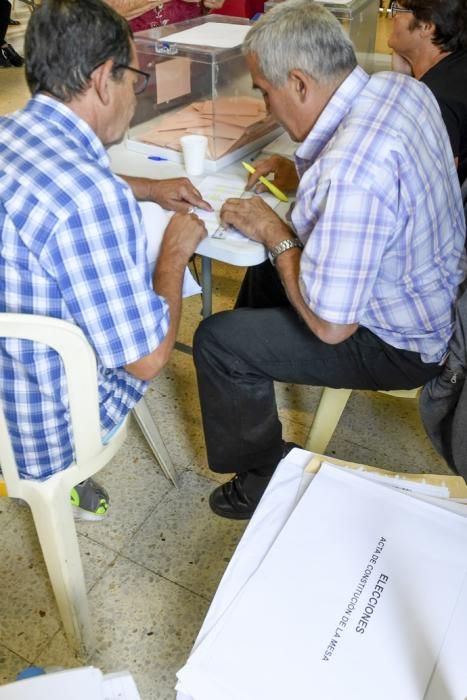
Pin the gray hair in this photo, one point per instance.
(300, 34)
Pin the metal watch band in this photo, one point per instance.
(281, 247)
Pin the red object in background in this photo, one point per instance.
(240, 8)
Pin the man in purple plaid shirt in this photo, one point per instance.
(360, 288)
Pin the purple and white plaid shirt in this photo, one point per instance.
(380, 213)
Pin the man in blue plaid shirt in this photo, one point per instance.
(369, 267)
(72, 241)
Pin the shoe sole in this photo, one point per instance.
(86, 515)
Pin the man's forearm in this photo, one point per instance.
(167, 283)
(181, 237)
(142, 187)
(288, 267)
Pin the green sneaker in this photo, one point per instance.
(89, 500)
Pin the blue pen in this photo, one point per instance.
(156, 158)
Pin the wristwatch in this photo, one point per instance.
(281, 247)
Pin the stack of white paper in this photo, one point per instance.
(347, 591)
(73, 684)
(218, 34)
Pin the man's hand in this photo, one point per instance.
(182, 236)
(256, 219)
(175, 194)
(283, 169)
(178, 194)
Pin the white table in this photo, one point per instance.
(234, 252)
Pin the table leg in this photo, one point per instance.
(206, 283)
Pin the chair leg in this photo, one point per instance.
(56, 530)
(327, 416)
(151, 433)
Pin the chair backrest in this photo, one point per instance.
(80, 370)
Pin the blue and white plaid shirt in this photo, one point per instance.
(380, 213)
(72, 247)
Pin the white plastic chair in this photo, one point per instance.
(49, 500)
(31, 4)
(330, 408)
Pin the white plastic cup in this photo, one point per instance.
(194, 147)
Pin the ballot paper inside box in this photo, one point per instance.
(199, 84)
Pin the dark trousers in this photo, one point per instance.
(5, 10)
(239, 354)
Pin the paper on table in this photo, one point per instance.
(217, 34)
(155, 220)
(215, 190)
(309, 607)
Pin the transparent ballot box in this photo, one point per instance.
(359, 19)
(197, 87)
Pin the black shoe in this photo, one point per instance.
(14, 22)
(237, 499)
(12, 56)
(4, 62)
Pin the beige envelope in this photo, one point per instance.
(162, 138)
(240, 106)
(223, 131)
(173, 79)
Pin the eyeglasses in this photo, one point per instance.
(142, 80)
(395, 8)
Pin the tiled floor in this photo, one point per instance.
(153, 565)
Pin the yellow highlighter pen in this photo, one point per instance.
(267, 183)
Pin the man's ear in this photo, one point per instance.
(100, 78)
(427, 29)
(300, 83)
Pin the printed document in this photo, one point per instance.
(353, 597)
(215, 189)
